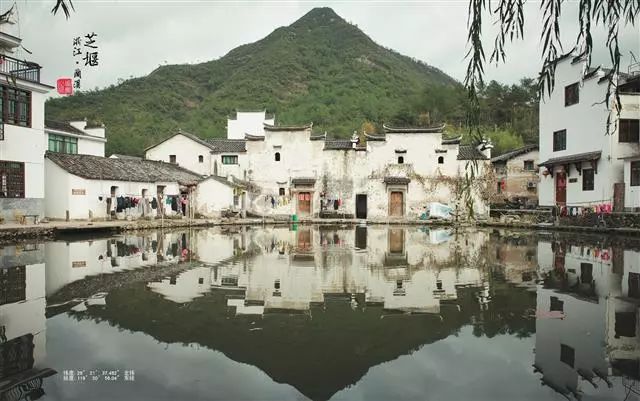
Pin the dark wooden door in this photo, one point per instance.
(618, 197)
(304, 204)
(361, 206)
(395, 204)
(561, 188)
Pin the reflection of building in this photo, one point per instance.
(400, 270)
(587, 316)
(22, 322)
(68, 262)
(515, 255)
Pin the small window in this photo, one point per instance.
(281, 191)
(229, 159)
(63, 144)
(172, 159)
(439, 284)
(11, 179)
(635, 174)
(200, 280)
(277, 156)
(15, 106)
(440, 159)
(567, 354)
(276, 284)
(560, 140)
(399, 284)
(629, 131)
(528, 165)
(587, 179)
(200, 159)
(571, 94)
(400, 160)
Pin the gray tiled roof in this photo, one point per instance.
(579, 157)
(121, 156)
(188, 135)
(269, 127)
(338, 144)
(397, 180)
(469, 152)
(104, 168)
(62, 126)
(514, 153)
(303, 181)
(223, 145)
(413, 130)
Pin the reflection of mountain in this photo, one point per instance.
(22, 322)
(318, 354)
(353, 307)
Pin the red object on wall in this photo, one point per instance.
(65, 86)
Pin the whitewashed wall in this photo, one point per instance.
(586, 127)
(212, 196)
(247, 123)
(60, 184)
(631, 194)
(90, 147)
(186, 150)
(239, 170)
(28, 145)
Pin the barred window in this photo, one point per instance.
(63, 144)
(16, 106)
(11, 179)
(629, 130)
(560, 140)
(229, 159)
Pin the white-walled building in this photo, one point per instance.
(517, 175)
(86, 187)
(292, 171)
(22, 138)
(581, 158)
(75, 137)
(214, 156)
(393, 175)
(216, 194)
(248, 123)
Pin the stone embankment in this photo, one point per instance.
(614, 223)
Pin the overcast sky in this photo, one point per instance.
(135, 37)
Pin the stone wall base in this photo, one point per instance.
(10, 206)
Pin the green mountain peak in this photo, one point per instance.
(320, 68)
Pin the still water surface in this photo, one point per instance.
(365, 313)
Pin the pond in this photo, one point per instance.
(321, 312)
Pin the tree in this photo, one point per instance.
(509, 14)
(610, 14)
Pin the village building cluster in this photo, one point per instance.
(59, 170)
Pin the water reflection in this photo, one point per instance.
(325, 312)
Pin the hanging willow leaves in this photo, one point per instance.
(612, 15)
(65, 5)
